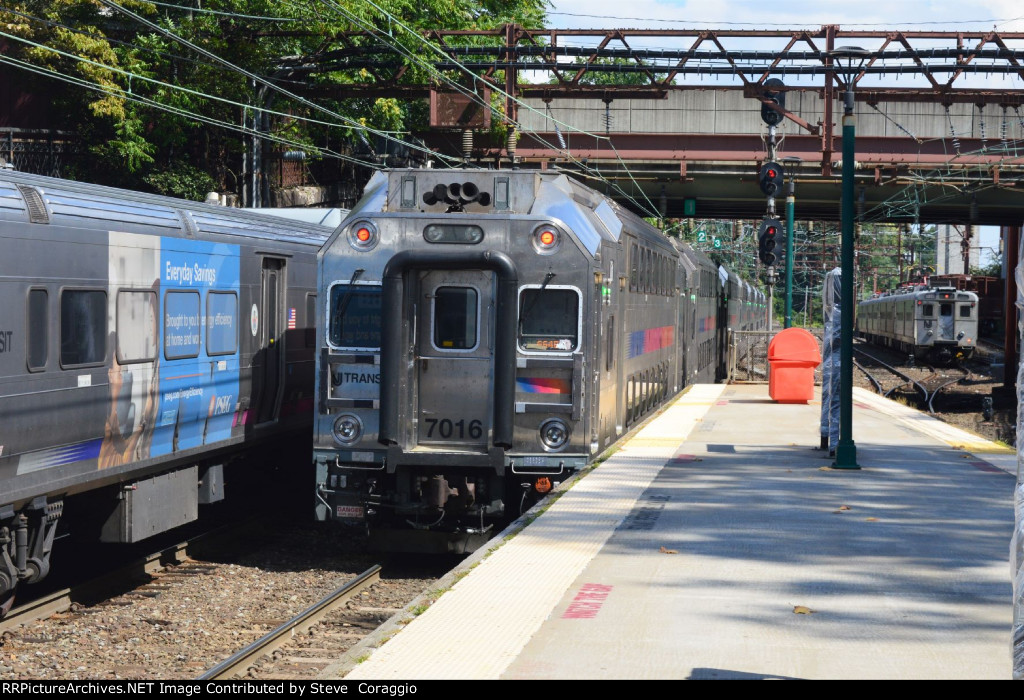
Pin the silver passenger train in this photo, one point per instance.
(483, 335)
(144, 341)
(938, 324)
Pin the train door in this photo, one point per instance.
(454, 359)
(947, 322)
(721, 325)
(271, 340)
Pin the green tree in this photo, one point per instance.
(161, 112)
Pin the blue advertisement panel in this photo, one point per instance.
(198, 383)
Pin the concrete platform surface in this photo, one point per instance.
(720, 543)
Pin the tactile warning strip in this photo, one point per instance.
(999, 456)
(479, 627)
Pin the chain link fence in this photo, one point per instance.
(748, 356)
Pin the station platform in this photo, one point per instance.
(719, 543)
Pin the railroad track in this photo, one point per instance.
(334, 609)
(929, 387)
(140, 577)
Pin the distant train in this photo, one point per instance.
(482, 335)
(144, 340)
(939, 324)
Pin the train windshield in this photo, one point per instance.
(549, 319)
(355, 316)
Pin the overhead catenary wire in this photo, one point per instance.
(350, 122)
(134, 97)
(589, 172)
(143, 78)
(651, 210)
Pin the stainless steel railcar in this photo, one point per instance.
(483, 335)
(143, 341)
(939, 324)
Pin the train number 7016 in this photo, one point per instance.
(448, 429)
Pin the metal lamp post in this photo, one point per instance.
(848, 61)
(790, 206)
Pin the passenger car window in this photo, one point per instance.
(83, 327)
(355, 316)
(965, 311)
(38, 325)
(549, 319)
(136, 326)
(221, 323)
(455, 318)
(181, 325)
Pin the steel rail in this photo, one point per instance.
(243, 659)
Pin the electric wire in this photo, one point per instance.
(652, 211)
(32, 68)
(352, 123)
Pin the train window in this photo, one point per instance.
(928, 310)
(630, 399)
(38, 325)
(355, 316)
(311, 320)
(83, 327)
(945, 309)
(634, 261)
(136, 326)
(455, 318)
(221, 323)
(181, 325)
(646, 276)
(549, 319)
(965, 311)
(609, 355)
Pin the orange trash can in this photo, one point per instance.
(792, 356)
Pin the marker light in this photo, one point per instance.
(546, 240)
(363, 236)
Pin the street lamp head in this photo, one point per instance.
(848, 60)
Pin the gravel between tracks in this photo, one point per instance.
(179, 625)
(959, 404)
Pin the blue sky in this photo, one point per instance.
(1005, 15)
(939, 15)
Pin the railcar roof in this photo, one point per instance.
(45, 199)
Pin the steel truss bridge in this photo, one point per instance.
(670, 118)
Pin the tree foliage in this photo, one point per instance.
(165, 103)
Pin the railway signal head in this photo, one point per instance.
(770, 178)
(767, 241)
(768, 115)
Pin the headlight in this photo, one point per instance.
(363, 236)
(554, 434)
(348, 429)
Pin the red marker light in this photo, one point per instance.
(547, 238)
(363, 235)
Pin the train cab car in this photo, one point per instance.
(938, 324)
(146, 340)
(485, 334)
